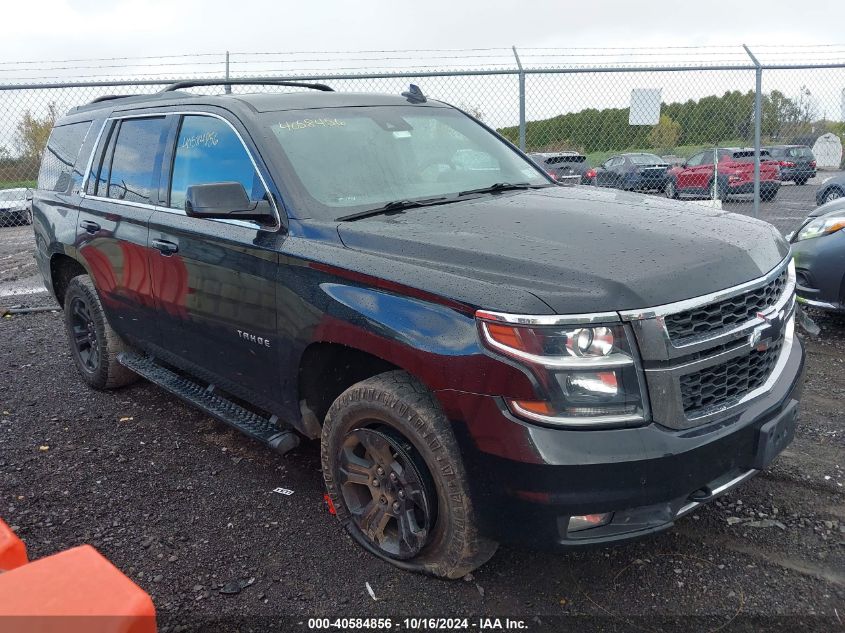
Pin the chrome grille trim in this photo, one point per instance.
(665, 361)
(656, 344)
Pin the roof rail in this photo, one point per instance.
(110, 98)
(241, 82)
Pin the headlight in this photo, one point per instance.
(821, 226)
(586, 373)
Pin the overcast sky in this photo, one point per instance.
(108, 28)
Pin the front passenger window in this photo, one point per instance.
(208, 151)
(134, 166)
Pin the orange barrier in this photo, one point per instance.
(12, 549)
(76, 591)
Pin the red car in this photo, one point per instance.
(735, 174)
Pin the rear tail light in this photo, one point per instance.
(591, 173)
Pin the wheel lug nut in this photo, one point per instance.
(375, 483)
(392, 476)
(401, 494)
(383, 501)
(380, 471)
(397, 506)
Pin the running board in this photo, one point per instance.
(264, 430)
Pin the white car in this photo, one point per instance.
(14, 207)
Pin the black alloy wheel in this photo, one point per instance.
(85, 341)
(388, 491)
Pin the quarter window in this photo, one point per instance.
(136, 161)
(209, 151)
(57, 171)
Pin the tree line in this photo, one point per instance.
(709, 120)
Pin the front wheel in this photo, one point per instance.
(395, 476)
(669, 189)
(832, 194)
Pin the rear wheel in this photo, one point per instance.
(801, 181)
(768, 195)
(396, 479)
(669, 189)
(94, 344)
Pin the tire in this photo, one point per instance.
(669, 189)
(722, 194)
(768, 196)
(394, 417)
(834, 193)
(800, 182)
(94, 345)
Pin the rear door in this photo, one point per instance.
(215, 280)
(120, 196)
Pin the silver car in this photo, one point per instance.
(14, 207)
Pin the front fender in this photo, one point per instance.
(438, 344)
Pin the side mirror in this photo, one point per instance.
(226, 200)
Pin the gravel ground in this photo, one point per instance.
(186, 508)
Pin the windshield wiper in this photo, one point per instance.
(392, 207)
(502, 186)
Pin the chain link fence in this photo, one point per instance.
(681, 122)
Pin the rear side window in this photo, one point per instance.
(135, 161)
(58, 166)
(800, 152)
(209, 151)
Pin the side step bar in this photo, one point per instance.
(264, 430)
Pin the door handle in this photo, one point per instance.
(164, 247)
(90, 227)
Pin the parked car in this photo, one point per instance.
(632, 172)
(735, 174)
(831, 188)
(14, 207)
(797, 162)
(565, 167)
(481, 353)
(818, 247)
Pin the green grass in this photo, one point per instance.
(16, 184)
(684, 151)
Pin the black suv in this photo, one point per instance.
(485, 356)
(797, 162)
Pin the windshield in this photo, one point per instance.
(344, 160)
(646, 159)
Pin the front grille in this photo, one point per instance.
(726, 313)
(725, 384)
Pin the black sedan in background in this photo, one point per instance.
(565, 167)
(818, 247)
(632, 172)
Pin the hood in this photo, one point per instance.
(824, 209)
(579, 249)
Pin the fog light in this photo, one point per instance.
(587, 521)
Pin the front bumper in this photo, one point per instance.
(527, 481)
(820, 268)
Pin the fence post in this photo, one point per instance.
(227, 88)
(521, 100)
(758, 123)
